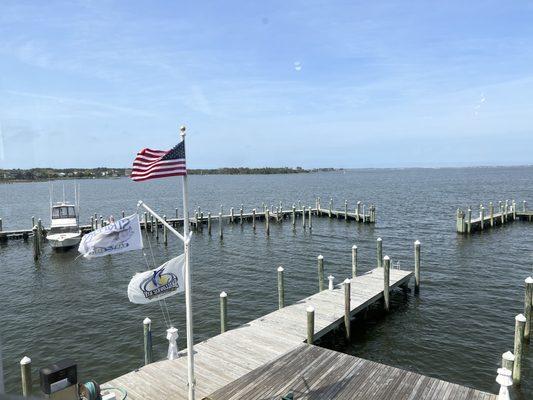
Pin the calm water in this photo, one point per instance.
(472, 287)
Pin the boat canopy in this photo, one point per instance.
(63, 211)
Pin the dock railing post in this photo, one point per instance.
(520, 322)
(347, 310)
(527, 308)
(147, 334)
(267, 222)
(223, 312)
(386, 282)
(310, 324)
(281, 288)
(220, 225)
(25, 374)
(508, 360)
(417, 266)
(320, 260)
(379, 252)
(354, 261)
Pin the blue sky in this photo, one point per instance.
(271, 83)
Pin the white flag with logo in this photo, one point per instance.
(117, 237)
(159, 283)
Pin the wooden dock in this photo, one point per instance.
(310, 372)
(488, 218)
(223, 359)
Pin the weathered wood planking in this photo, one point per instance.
(226, 357)
(310, 372)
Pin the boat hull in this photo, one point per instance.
(64, 243)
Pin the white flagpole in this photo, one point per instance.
(188, 290)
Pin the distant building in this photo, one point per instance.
(127, 172)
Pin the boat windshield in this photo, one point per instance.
(63, 212)
(64, 229)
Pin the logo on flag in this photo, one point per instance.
(157, 284)
(118, 237)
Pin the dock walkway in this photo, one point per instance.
(227, 357)
(310, 372)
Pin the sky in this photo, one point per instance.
(267, 83)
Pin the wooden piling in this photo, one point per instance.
(508, 360)
(528, 298)
(293, 216)
(330, 207)
(96, 221)
(299, 205)
(310, 220)
(232, 215)
(267, 222)
(386, 280)
(223, 312)
(354, 261)
(123, 213)
(417, 266)
(310, 325)
(92, 223)
(25, 375)
(524, 205)
(346, 210)
(253, 219)
(469, 220)
(165, 231)
(347, 299)
(220, 225)
(331, 278)
(202, 221)
(491, 214)
(209, 223)
(241, 213)
(176, 213)
(281, 288)
(145, 219)
(35, 244)
(379, 252)
(482, 216)
(157, 228)
(33, 222)
(147, 333)
(514, 209)
(320, 260)
(358, 211)
(520, 322)
(40, 234)
(303, 217)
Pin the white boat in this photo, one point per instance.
(64, 230)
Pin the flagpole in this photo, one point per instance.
(188, 290)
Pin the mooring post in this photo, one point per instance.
(241, 213)
(25, 374)
(520, 323)
(527, 307)
(157, 227)
(514, 209)
(303, 217)
(33, 222)
(209, 223)
(502, 214)
(165, 232)
(223, 312)
(123, 213)
(330, 207)
(147, 333)
(253, 219)
(176, 213)
(491, 213)
(319, 206)
(331, 278)
(96, 221)
(310, 220)
(508, 360)
(310, 324)
(417, 266)
(357, 211)
(92, 223)
(347, 299)
(506, 210)
(220, 225)
(354, 261)
(299, 205)
(379, 252)
(293, 216)
(482, 216)
(202, 220)
(504, 380)
(35, 243)
(386, 281)
(267, 222)
(281, 288)
(469, 220)
(364, 214)
(232, 214)
(460, 221)
(40, 233)
(346, 210)
(320, 260)
(524, 205)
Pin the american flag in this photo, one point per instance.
(151, 164)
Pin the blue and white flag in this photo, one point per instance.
(157, 284)
(117, 237)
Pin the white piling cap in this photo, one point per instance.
(310, 309)
(331, 277)
(504, 377)
(25, 360)
(320, 257)
(280, 269)
(508, 356)
(386, 258)
(223, 294)
(520, 318)
(379, 239)
(147, 321)
(417, 242)
(347, 280)
(354, 247)
(529, 280)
